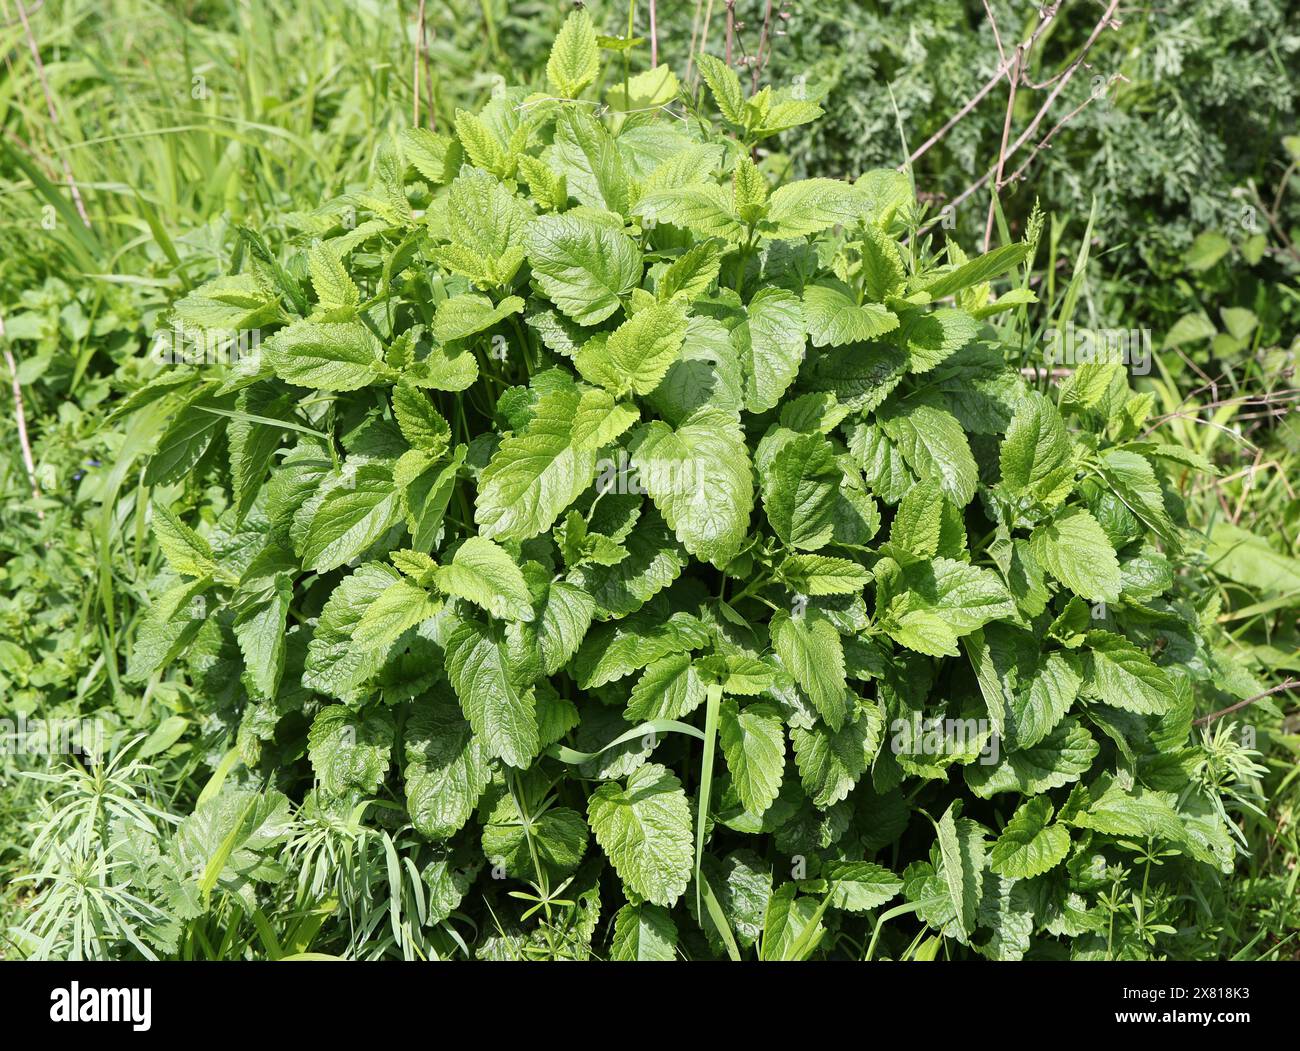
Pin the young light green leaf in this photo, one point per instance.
(699, 476)
(466, 315)
(811, 650)
(831, 761)
(770, 344)
(186, 552)
(422, 425)
(503, 716)
(636, 356)
(725, 87)
(483, 572)
(1074, 549)
(823, 575)
(834, 317)
(800, 489)
(534, 476)
(753, 741)
(798, 209)
(348, 750)
(401, 606)
(351, 517)
(326, 355)
(584, 266)
(575, 59)
(645, 829)
(1029, 846)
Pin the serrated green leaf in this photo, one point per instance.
(834, 317)
(1122, 675)
(1062, 756)
(399, 607)
(962, 851)
(502, 714)
(811, 650)
(753, 742)
(670, 688)
(534, 476)
(483, 572)
(575, 58)
(583, 266)
(643, 933)
(349, 751)
(800, 489)
(351, 517)
(699, 476)
(645, 829)
(934, 445)
(636, 356)
(725, 87)
(326, 355)
(823, 575)
(831, 761)
(1074, 549)
(1029, 846)
(447, 768)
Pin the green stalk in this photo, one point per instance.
(712, 705)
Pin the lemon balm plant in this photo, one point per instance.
(674, 564)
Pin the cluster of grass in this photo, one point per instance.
(137, 137)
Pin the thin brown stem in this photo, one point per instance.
(731, 29)
(1029, 132)
(1013, 75)
(1103, 23)
(53, 111)
(415, 71)
(1045, 142)
(1273, 222)
(704, 30)
(762, 45)
(997, 37)
(654, 35)
(1046, 15)
(1205, 720)
(20, 418)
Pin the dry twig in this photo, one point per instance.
(54, 113)
(1205, 720)
(20, 417)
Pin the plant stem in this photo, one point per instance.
(894, 913)
(20, 418)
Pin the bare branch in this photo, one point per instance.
(1046, 15)
(1205, 720)
(1045, 142)
(20, 417)
(1013, 75)
(762, 45)
(1105, 21)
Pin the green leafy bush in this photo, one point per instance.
(635, 539)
